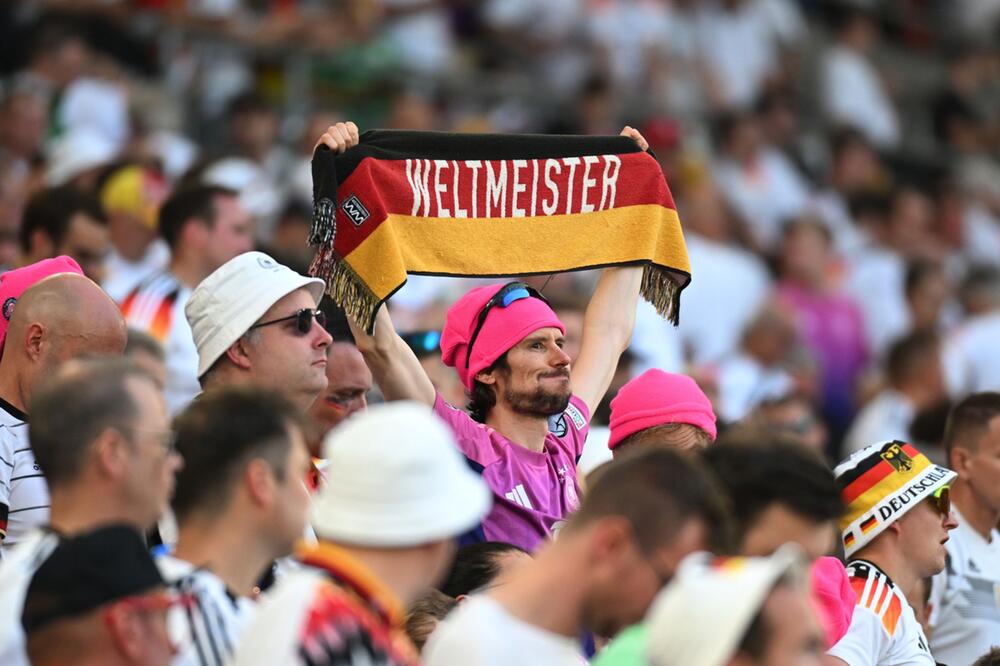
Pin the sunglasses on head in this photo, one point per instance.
(940, 499)
(509, 293)
(303, 320)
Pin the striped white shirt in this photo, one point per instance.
(24, 494)
(215, 621)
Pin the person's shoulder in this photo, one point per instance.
(878, 596)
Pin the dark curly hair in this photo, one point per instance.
(483, 398)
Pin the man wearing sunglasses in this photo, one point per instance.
(256, 322)
(894, 531)
(966, 617)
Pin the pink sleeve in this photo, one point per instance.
(473, 438)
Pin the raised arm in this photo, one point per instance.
(608, 323)
(395, 367)
(607, 329)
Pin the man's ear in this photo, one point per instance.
(111, 453)
(34, 341)
(126, 631)
(238, 354)
(259, 480)
(487, 378)
(960, 459)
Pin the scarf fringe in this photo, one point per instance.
(345, 287)
(661, 289)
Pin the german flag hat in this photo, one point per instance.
(880, 483)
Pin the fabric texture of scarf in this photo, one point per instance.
(490, 205)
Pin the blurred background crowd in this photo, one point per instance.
(836, 166)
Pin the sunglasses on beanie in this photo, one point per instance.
(303, 320)
(509, 293)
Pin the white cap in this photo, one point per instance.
(700, 618)
(76, 152)
(228, 302)
(395, 478)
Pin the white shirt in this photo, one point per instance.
(157, 307)
(965, 597)
(16, 571)
(744, 383)
(853, 95)
(740, 49)
(876, 282)
(728, 288)
(24, 494)
(884, 631)
(886, 417)
(217, 620)
(123, 275)
(766, 194)
(971, 361)
(482, 633)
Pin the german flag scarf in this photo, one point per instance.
(489, 205)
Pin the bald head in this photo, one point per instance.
(62, 317)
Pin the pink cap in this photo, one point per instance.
(504, 327)
(13, 284)
(656, 398)
(832, 597)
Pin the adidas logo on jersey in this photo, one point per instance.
(519, 497)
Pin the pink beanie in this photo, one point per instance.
(14, 283)
(503, 328)
(832, 597)
(656, 398)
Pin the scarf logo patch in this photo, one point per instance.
(355, 210)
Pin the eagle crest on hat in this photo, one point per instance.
(895, 456)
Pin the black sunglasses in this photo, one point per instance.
(303, 320)
(509, 293)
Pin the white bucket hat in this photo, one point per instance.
(700, 618)
(394, 479)
(228, 302)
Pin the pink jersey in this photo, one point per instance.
(532, 492)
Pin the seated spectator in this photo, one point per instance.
(64, 221)
(387, 522)
(759, 182)
(754, 373)
(970, 363)
(93, 434)
(779, 493)
(61, 317)
(640, 518)
(830, 325)
(203, 227)
(852, 90)
(131, 196)
(752, 611)
(98, 599)
(477, 567)
(661, 409)
(915, 383)
(240, 504)
(714, 313)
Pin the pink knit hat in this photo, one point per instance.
(504, 327)
(14, 283)
(832, 597)
(656, 398)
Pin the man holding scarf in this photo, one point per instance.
(529, 413)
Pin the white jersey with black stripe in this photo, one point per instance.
(214, 621)
(24, 494)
